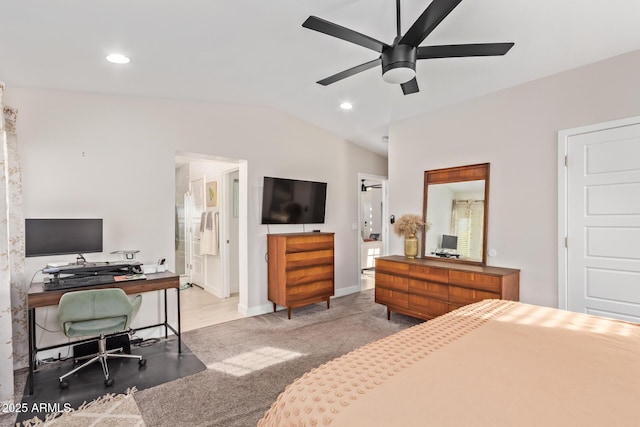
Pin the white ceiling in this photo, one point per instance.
(256, 52)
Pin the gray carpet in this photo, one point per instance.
(252, 360)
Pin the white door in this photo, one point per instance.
(603, 220)
(232, 214)
(185, 238)
(373, 216)
(198, 271)
(234, 239)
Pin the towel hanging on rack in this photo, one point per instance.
(209, 236)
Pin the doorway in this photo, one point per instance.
(372, 228)
(205, 228)
(599, 219)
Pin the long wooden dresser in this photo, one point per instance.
(426, 288)
(301, 269)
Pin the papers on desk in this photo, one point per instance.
(127, 277)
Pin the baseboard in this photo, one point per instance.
(255, 311)
(341, 292)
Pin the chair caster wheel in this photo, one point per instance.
(109, 382)
(64, 384)
(142, 362)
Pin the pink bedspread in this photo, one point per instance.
(493, 363)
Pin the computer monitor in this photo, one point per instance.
(61, 236)
(449, 242)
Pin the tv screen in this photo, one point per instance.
(62, 236)
(449, 242)
(291, 201)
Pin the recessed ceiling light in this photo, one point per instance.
(346, 106)
(117, 58)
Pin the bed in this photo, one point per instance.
(492, 363)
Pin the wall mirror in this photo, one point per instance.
(455, 205)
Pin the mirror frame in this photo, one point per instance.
(457, 174)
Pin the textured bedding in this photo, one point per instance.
(493, 363)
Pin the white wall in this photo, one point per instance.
(516, 131)
(91, 155)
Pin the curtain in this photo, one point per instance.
(466, 222)
(13, 287)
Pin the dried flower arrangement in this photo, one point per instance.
(408, 224)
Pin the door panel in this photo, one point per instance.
(234, 238)
(198, 267)
(603, 222)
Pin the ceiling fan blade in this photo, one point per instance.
(460, 50)
(343, 33)
(428, 21)
(410, 87)
(350, 72)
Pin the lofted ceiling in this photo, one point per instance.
(255, 52)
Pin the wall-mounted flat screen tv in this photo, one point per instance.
(292, 201)
(57, 236)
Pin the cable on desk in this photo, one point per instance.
(48, 330)
(33, 277)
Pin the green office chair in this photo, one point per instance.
(98, 312)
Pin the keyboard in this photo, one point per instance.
(78, 281)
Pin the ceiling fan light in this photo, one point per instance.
(399, 64)
(399, 75)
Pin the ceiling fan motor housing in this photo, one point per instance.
(399, 63)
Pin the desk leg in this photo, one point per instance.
(32, 344)
(179, 330)
(166, 316)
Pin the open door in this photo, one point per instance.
(372, 226)
(196, 265)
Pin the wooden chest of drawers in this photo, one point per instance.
(300, 269)
(427, 288)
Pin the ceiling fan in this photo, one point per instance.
(364, 187)
(398, 59)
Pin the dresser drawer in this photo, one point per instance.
(389, 281)
(429, 273)
(463, 296)
(475, 280)
(391, 267)
(307, 259)
(309, 290)
(392, 298)
(429, 289)
(309, 243)
(309, 274)
(427, 306)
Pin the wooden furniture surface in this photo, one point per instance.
(37, 297)
(301, 269)
(426, 288)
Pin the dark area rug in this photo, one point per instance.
(251, 361)
(163, 365)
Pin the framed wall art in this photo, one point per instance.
(212, 193)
